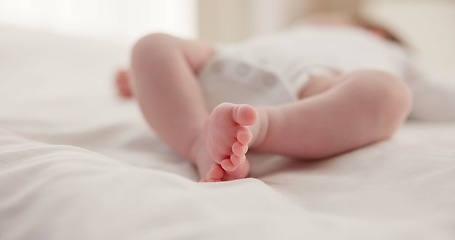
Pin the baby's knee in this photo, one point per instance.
(385, 97)
(391, 93)
(152, 46)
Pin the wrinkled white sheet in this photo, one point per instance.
(77, 163)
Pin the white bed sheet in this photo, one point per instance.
(78, 163)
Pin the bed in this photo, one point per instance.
(76, 162)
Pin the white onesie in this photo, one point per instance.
(273, 69)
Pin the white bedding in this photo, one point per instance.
(78, 163)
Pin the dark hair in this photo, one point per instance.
(374, 26)
(361, 21)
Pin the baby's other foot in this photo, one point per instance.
(122, 83)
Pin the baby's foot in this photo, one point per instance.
(226, 138)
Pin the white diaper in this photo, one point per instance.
(234, 79)
(237, 78)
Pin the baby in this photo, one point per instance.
(330, 86)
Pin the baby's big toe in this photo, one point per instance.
(245, 115)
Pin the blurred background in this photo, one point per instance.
(428, 25)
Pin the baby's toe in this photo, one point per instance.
(238, 161)
(239, 149)
(214, 174)
(234, 162)
(240, 172)
(227, 165)
(244, 135)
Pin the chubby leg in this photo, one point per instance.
(164, 84)
(163, 72)
(361, 108)
(331, 118)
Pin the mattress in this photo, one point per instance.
(76, 162)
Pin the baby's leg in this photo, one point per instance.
(365, 107)
(163, 72)
(164, 84)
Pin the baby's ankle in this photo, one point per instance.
(259, 129)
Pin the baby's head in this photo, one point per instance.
(343, 18)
